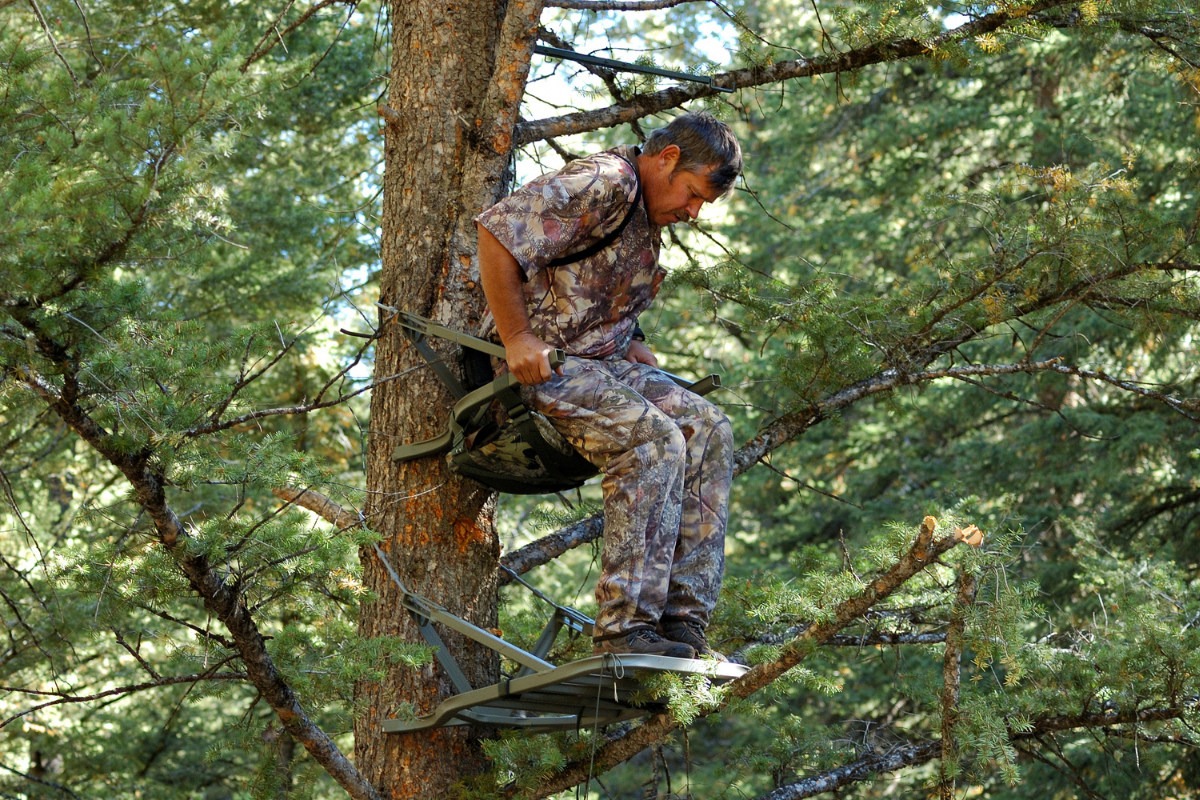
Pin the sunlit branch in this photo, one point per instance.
(924, 551)
(62, 697)
(966, 585)
(878, 53)
(267, 43)
(617, 5)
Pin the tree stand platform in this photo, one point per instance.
(540, 696)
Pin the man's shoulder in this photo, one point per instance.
(615, 166)
(609, 174)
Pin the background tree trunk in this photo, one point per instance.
(457, 76)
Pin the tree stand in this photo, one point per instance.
(541, 697)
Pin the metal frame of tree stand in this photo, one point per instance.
(541, 697)
(625, 66)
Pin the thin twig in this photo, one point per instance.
(38, 11)
(62, 697)
(617, 5)
(36, 779)
(263, 47)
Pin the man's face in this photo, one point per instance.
(673, 196)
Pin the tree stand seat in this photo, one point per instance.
(510, 449)
(540, 696)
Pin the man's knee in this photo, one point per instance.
(659, 438)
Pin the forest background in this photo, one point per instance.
(958, 280)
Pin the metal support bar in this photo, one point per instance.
(430, 611)
(541, 648)
(701, 387)
(461, 684)
(572, 618)
(625, 66)
(422, 325)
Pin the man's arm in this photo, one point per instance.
(528, 356)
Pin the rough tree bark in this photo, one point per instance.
(458, 72)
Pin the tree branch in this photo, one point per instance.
(779, 432)
(924, 551)
(62, 697)
(220, 599)
(264, 46)
(618, 5)
(215, 427)
(871, 639)
(46, 29)
(320, 505)
(916, 754)
(1182, 406)
(644, 105)
(951, 661)
(860, 770)
(36, 779)
(507, 86)
(550, 547)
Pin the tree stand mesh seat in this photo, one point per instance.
(523, 455)
(541, 697)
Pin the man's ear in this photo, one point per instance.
(668, 157)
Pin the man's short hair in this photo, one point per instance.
(703, 141)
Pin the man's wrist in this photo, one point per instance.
(519, 336)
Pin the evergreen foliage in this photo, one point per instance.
(183, 228)
(191, 196)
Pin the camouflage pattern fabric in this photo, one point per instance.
(589, 307)
(667, 459)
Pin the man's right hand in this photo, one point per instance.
(528, 359)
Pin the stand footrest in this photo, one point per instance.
(594, 690)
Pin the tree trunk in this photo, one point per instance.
(457, 76)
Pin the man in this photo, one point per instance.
(569, 261)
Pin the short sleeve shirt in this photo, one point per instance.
(587, 307)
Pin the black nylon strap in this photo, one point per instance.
(439, 366)
(608, 240)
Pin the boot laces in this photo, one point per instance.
(696, 630)
(647, 636)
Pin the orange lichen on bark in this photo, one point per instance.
(467, 532)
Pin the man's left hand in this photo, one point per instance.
(638, 353)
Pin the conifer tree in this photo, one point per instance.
(959, 281)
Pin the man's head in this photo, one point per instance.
(693, 160)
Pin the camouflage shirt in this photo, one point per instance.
(587, 307)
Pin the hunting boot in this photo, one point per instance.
(642, 642)
(690, 633)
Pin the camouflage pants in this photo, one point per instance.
(667, 459)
